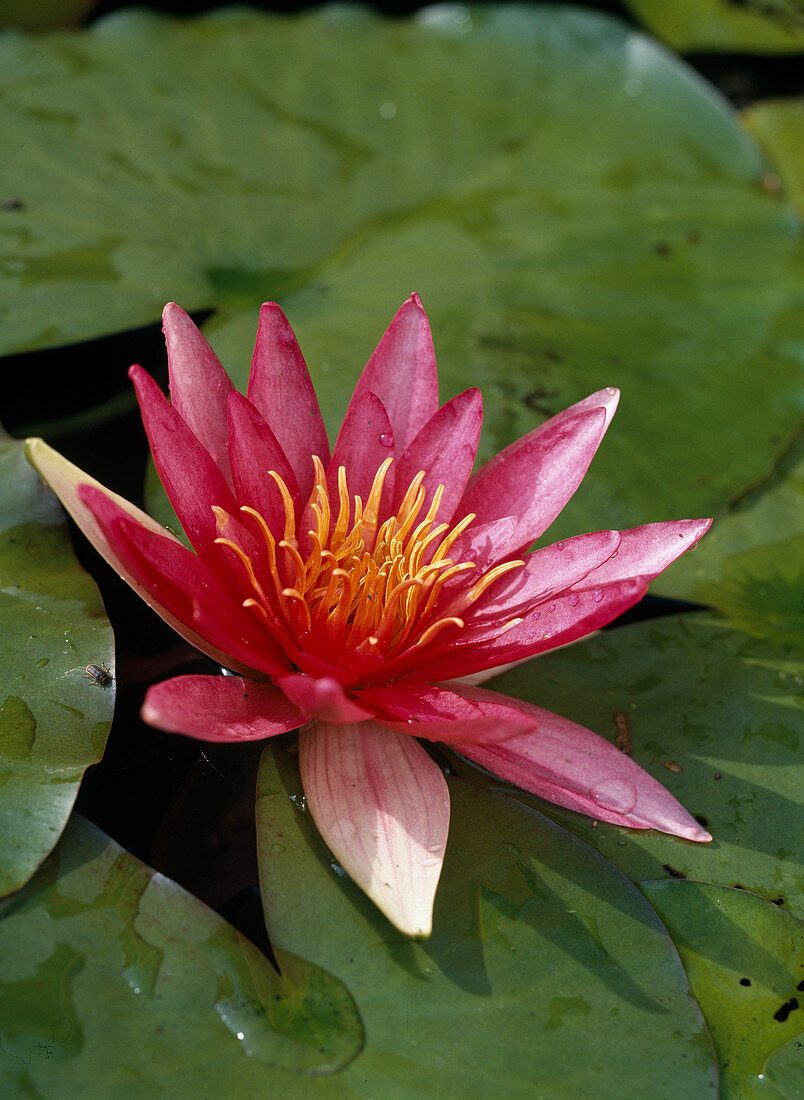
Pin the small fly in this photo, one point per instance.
(99, 674)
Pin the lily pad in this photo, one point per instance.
(755, 26)
(575, 206)
(114, 981)
(778, 126)
(749, 565)
(541, 952)
(54, 717)
(715, 715)
(744, 958)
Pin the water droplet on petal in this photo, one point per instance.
(611, 391)
(435, 848)
(575, 599)
(552, 607)
(597, 595)
(559, 546)
(386, 440)
(618, 795)
(430, 861)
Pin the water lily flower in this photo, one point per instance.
(361, 594)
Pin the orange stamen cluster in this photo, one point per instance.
(355, 585)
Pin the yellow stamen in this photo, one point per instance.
(349, 584)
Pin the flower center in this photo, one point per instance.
(351, 585)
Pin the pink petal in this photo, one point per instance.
(607, 399)
(219, 708)
(199, 386)
(573, 767)
(402, 373)
(546, 572)
(191, 478)
(484, 543)
(279, 386)
(445, 449)
(183, 590)
(66, 480)
(440, 714)
(570, 616)
(254, 450)
(647, 551)
(323, 698)
(534, 478)
(382, 806)
(363, 444)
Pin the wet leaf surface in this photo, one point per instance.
(115, 982)
(54, 716)
(745, 961)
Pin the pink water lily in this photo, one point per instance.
(362, 594)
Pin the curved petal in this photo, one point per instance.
(546, 572)
(199, 386)
(402, 373)
(323, 698)
(534, 478)
(382, 806)
(254, 450)
(219, 708)
(440, 714)
(445, 449)
(191, 478)
(65, 479)
(569, 617)
(573, 767)
(648, 550)
(364, 442)
(184, 591)
(279, 387)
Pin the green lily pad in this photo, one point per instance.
(54, 717)
(575, 206)
(744, 958)
(114, 981)
(756, 26)
(546, 974)
(715, 715)
(778, 126)
(749, 564)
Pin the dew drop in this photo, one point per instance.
(339, 871)
(597, 595)
(559, 546)
(434, 848)
(551, 608)
(575, 599)
(241, 1036)
(430, 861)
(536, 615)
(386, 440)
(618, 795)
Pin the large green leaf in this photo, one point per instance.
(54, 718)
(724, 711)
(744, 958)
(576, 207)
(778, 125)
(749, 565)
(756, 26)
(116, 983)
(546, 975)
